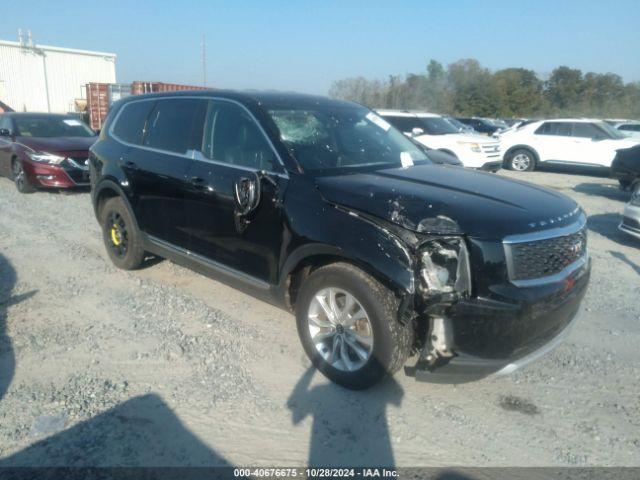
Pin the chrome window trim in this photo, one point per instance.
(190, 153)
(545, 235)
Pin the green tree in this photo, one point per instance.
(564, 90)
(474, 92)
(519, 92)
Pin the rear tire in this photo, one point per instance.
(521, 160)
(381, 336)
(121, 236)
(20, 178)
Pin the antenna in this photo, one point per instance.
(30, 41)
(20, 39)
(204, 61)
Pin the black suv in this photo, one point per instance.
(322, 207)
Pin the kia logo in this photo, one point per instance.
(576, 248)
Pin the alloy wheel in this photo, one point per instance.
(340, 329)
(521, 162)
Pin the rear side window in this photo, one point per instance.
(630, 128)
(562, 129)
(130, 123)
(176, 125)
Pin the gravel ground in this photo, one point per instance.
(162, 366)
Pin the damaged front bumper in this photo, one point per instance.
(498, 336)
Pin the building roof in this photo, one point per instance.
(50, 48)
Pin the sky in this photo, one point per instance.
(306, 45)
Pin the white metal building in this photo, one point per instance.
(39, 78)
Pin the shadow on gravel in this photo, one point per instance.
(349, 428)
(7, 359)
(606, 224)
(622, 257)
(141, 432)
(612, 192)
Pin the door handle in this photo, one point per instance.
(130, 164)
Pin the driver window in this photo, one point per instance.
(586, 130)
(233, 137)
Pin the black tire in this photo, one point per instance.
(20, 180)
(121, 236)
(392, 341)
(521, 160)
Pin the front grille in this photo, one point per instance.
(537, 259)
(491, 150)
(78, 175)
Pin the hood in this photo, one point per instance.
(460, 137)
(58, 144)
(428, 198)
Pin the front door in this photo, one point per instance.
(235, 149)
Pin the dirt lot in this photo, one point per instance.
(162, 366)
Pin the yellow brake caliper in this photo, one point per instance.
(115, 238)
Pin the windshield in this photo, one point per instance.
(611, 132)
(437, 126)
(47, 126)
(458, 125)
(336, 139)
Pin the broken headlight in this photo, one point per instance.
(444, 266)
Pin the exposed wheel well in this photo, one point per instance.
(104, 195)
(309, 264)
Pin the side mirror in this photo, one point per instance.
(416, 131)
(247, 194)
(5, 132)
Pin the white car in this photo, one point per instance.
(630, 128)
(575, 142)
(631, 216)
(436, 132)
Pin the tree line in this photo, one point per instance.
(467, 88)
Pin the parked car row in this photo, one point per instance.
(436, 132)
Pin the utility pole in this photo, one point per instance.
(204, 61)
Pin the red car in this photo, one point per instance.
(44, 150)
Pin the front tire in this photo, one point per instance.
(20, 178)
(521, 160)
(121, 235)
(347, 323)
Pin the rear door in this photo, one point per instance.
(157, 162)
(234, 148)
